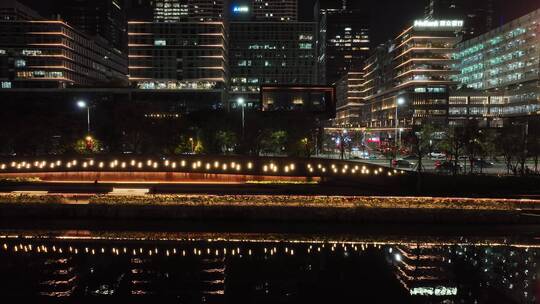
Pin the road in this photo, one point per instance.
(429, 165)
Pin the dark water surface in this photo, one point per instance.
(236, 267)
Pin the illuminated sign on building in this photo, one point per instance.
(31, 52)
(434, 291)
(438, 23)
(239, 9)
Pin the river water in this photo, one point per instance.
(217, 267)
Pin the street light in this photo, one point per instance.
(241, 102)
(399, 102)
(82, 104)
(192, 144)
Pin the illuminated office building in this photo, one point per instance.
(264, 10)
(424, 271)
(13, 10)
(312, 100)
(180, 51)
(349, 99)
(407, 82)
(499, 73)
(270, 53)
(170, 10)
(103, 18)
(189, 10)
(208, 10)
(343, 41)
(221, 10)
(184, 56)
(52, 54)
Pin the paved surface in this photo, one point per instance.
(429, 165)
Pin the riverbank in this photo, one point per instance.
(278, 209)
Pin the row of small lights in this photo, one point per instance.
(462, 242)
(199, 165)
(43, 249)
(29, 248)
(123, 165)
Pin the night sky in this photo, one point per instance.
(388, 16)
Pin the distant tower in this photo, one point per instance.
(343, 42)
(105, 18)
(478, 14)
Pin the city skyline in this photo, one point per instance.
(270, 151)
(187, 56)
(398, 14)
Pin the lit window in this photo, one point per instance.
(20, 63)
(160, 42)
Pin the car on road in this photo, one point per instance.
(447, 166)
(481, 163)
(437, 155)
(402, 164)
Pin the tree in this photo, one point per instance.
(345, 143)
(486, 146)
(390, 151)
(199, 148)
(453, 142)
(533, 144)
(273, 142)
(471, 138)
(511, 146)
(185, 145)
(226, 140)
(421, 141)
(88, 146)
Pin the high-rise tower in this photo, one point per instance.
(343, 42)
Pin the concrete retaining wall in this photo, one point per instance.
(152, 177)
(268, 213)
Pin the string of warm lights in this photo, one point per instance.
(220, 246)
(233, 249)
(322, 168)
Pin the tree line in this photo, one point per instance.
(119, 128)
(514, 144)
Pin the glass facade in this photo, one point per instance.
(349, 99)
(52, 54)
(408, 80)
(344, 42)
(176, 56)
(507, 61)
(274, 53)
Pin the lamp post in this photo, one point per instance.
(242, 103)
(82, 104)
(399, 102)
(192, 145)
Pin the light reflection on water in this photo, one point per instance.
(262, 268)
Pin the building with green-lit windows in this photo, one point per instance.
(501, 68)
